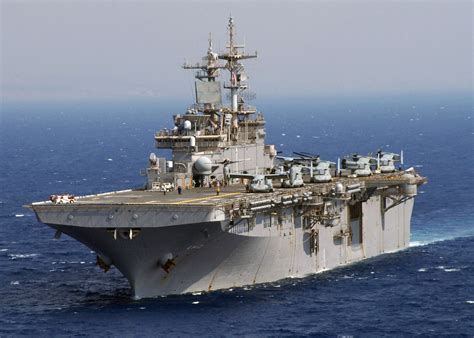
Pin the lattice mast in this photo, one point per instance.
(238, 78)
(209, 70)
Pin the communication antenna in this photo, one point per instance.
(233, 57)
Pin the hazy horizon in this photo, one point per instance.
(124, 50)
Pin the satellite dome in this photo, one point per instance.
(187, 125)
(153, 159)
(203, 166)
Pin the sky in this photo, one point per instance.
(67, 50)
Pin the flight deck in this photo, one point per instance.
(229, 194)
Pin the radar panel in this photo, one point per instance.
(208, 92)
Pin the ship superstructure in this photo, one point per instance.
(210, 137)
(227, 211)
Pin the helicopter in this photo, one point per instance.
(225, 167)
(319, 170)
(294, 166)
(322, 172)
(386, 161)
(358, 165)
(301, 158)
(294, 177)
(259, 183)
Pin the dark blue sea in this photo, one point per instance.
(52, 287)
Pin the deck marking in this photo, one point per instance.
(206, 198)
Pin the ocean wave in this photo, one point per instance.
(420, 243)
(446, 269)
(19, 256)
(437, 240)
(20, 215)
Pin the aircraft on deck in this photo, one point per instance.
(294, 177)
(259, 182)
(386, 161)
(358, 165)
(322, 172)
(318, 170)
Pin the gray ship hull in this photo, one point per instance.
(211, 254)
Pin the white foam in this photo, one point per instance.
(422, 270)
(452, 270)
(196, 302)
(197, 293)
(19, 215)
(3, 250)
(418, 243)
(15, 282)
(16, 256)
(109, 159)
(470, 301)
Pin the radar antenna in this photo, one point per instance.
(209, 69)
(238, 78)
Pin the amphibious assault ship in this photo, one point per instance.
(227, 210)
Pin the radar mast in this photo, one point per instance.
(208, 90)
(209, 70)
(238, 78)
